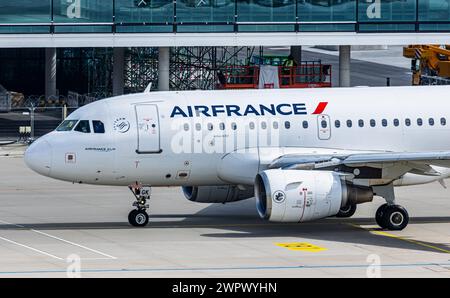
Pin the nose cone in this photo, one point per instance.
(38, 157)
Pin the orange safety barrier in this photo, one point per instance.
(239, 77)
(306, 75)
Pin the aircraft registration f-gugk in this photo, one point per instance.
(304, 154)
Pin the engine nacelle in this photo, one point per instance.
(217, 194)
(299, 196)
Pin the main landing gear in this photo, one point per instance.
(390, 216)
(139, 216)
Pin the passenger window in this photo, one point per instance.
(443, 121)
(287, 124)
(305, 124)
(186, 127)
(384, 122)
(233, 126)
(222, 126)
(198, 126)
(263, 125)
(210, 126)
(407, 122)
(66, 125)
(323, 123)
(83, 126)
(431, 121)
(372, 123)
(349, 123)
(275, 125)
(419, 121)
(252, 125)
(361, 123)
(337, 123)
(98, 126)
(396, 122)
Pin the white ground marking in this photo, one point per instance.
(32, 248)
(75, 244)
(59, 239)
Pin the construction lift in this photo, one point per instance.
(307, 74)
(430, 64)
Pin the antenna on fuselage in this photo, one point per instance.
(148, 88)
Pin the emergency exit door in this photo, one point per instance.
(324, 127)
(148, 130)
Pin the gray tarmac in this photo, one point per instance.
(45, 224)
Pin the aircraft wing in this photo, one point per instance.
(415, 162)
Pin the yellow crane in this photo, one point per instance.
(430, 63)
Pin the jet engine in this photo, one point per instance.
(217, 194)
(299, 196)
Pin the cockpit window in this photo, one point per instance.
(83, 126)
(98, 126)
(66, 125)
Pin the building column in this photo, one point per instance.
(50, 72)
(344, 66)
(296, 52)
(118, 71)
(163, 68)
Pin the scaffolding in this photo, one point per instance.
(85, 70)
(141, 68)
(191, 68)
(198, 67)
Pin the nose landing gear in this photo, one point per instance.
(139, 216)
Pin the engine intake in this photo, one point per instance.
(217, 194)
(299, 196)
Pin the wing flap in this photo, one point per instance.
(419, 161)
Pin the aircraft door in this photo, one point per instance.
(324, 127)
(148, 130)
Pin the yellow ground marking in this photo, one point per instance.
(386, 234)
(301, 246)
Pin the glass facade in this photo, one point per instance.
(128, 16)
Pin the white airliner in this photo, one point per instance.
(305, 154)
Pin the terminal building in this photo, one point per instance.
(55, 46)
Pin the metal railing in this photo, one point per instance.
(110, 22)
(28, 123)
(5, 102)
(315, 75)
(25, 119)
(306, 75)
(239, 77)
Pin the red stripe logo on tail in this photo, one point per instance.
(320, 107)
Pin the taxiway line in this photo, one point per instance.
(386, 234)
(62, 240)
(75, 244)
(32, 248)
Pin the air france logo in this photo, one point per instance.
(279, 196)
(121, 125)
(283, 109)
